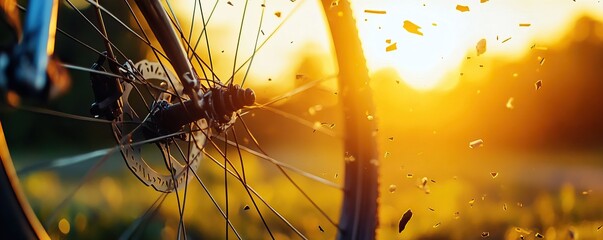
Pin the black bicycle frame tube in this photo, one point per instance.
(160, 23)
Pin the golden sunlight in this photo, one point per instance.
(430, 60)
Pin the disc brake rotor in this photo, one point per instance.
(132, 138)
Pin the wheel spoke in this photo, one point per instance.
(254, 192)
(64, 162)
(255, 45)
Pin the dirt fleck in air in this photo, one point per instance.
(510, 103)
(391, 47)
(462, 8)
(375, 11)
(538, 84)
(412, 28)
(480, 47)
(404, 220)
(476, 143)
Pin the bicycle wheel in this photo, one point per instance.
(210, 177)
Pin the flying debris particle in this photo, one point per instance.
(334, 3)
(320, 228)
(434, 24)
(229, 3)
(505, 206)
(538, 235)
(457, 215)
(412, 28)
(472, 202)
(571, 234)
(375, 11)
(404, 220)
(391, 47)
(520, 204)
(485, 234)
(481, 46)
(246, 207)
(506, 40)
(599, 228)
(409, 175)
(370, 117)
(391, 138)
(462, 8)
(522, 231)
(431, 209)
(262, 32)
(542, 61)
(476, 143)
(494, 174)
(538, 84)
(423, 185)
(525, 24)
(510, 103)
(277, 14)
(392, 188)
(336, 175)
(482, 1)
(437, 225)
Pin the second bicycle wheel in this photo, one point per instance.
(280, 168)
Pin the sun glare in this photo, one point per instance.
(449, 35)
(427, 58)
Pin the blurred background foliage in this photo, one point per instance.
(539, 171)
